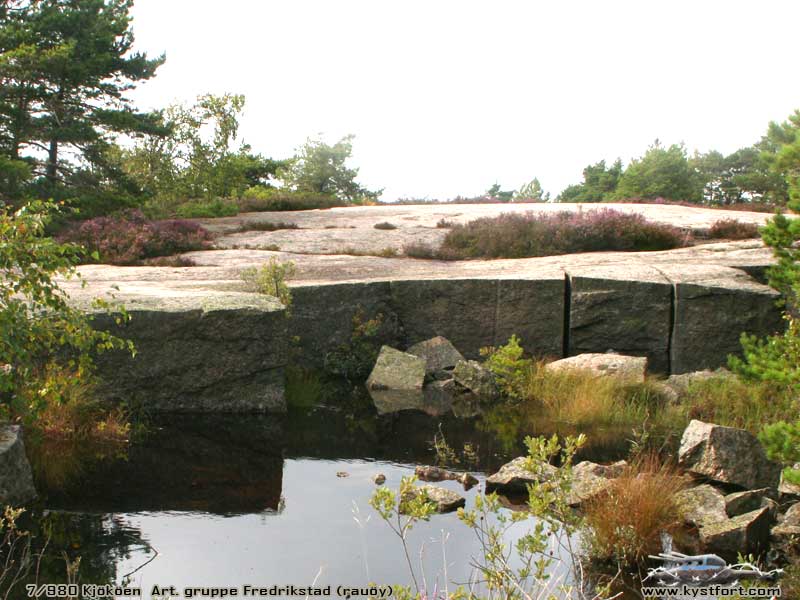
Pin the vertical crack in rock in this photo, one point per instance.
(567, 308)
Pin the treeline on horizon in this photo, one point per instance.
(69, 134)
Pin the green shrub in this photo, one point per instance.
(385, 225)
(355, 360)
(271, 279)
(46, 345)
(781, 440)
(207, 209)
(262, 199)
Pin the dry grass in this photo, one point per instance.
(582, 397)
(624, 525)
(264, 226)
(60, 405)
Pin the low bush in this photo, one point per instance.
(262, 199)
(733, 229)
(514, 235)
(207, 209)
(265, 226)
(385, 225)
(271, 279)
(624, 525)
(761, 207)
(131, 238)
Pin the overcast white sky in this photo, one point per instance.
(447, 97)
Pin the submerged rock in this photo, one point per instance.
(439, 354)
(476, 378)
(16, 479)
(619, 365)
(727, 455)
(439, 474)
(444, 499)
(514, 477)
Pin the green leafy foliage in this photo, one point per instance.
(781, 440)
(321, 168)
(508, 367)
(38, 326)
(355, 360)
(271, 279)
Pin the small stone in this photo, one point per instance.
(342, 474)
(743, 502)
(379, 479)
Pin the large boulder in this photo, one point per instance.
(476, 378)
(444, 499)
(396, 370)
(627, 367)
(197, 352)
(590, 480)
(702, 505)
(16, 479)
(438, 352)
(514, 477)
(739, 503)
(743, 534)
(727, 455)
(396, 381)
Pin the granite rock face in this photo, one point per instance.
(16, 479)
(727, 455)
(713, 306)
(746, 533)
(590, 480)
(619, 309)
(223, 353)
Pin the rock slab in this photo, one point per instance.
(618, 365)
(16, 479)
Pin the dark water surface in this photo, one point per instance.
(225, 501)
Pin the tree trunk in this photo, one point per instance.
(52, 164)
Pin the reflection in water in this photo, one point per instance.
(256, 499)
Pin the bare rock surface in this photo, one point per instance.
(514, 477)
(590, 479)
(16, 479)
(438, 352)
(617, 365)
(701, 505)
(727, 455)
(476, 378)
(445, 500)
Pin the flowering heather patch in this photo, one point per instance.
(512, 235)
(761, 207)
(733, 229)
(131, 238)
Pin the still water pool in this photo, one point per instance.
(263, 500)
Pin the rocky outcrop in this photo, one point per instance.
(439, 354)
(16, 479)
(626, 308)
(476, 378)
(626, 367)
(739, 503)
(514, 477)
(445, 500)
(743, 534)
(727, 455)
(590, 480)
(195, 353)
